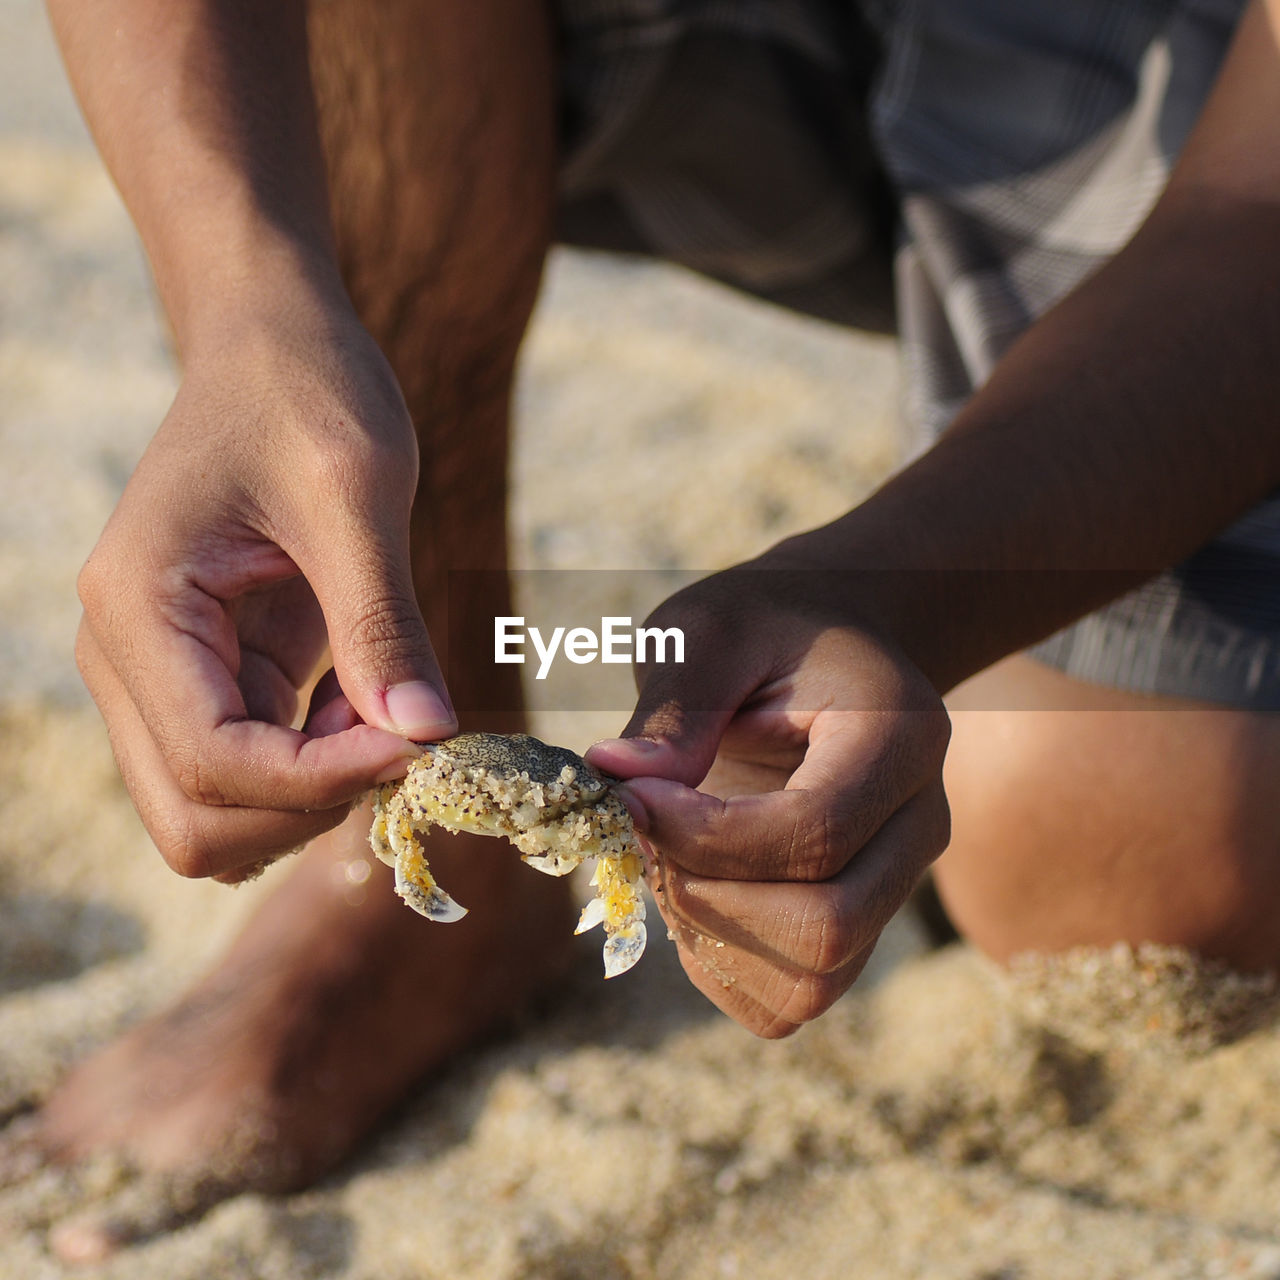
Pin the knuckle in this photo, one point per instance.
(769, 1026)
(336, 460)
(914, 749)
(178, 837)
(195, 775)
(711, 613)
(111, 569)
(91, 582)
(936, 734)
(819, 846)
(809, 996)
(348, 465)
(191, 862)
(383, 623)
(691, 607)
(828, 938)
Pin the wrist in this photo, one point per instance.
(250, 278)
(950, 617)
(288, 360)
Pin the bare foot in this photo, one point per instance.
(326, 1009)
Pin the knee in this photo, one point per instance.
(1089, 827)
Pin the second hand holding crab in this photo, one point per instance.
(553, 806)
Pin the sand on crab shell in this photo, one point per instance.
(547, 801)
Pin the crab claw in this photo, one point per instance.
(623, 949)
(592, 914)
(433, 903)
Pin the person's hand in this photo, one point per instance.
(825, 804)
(269, 515)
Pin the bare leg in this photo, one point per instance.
(437, 122)
(1088, 816)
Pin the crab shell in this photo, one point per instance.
(553, 806)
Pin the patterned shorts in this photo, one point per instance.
(948, 168)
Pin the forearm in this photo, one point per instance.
(1125, 429)
(204, 116)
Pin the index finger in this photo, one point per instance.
(194, 839)
(178, 663)
(861, 767)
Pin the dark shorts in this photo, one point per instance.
(945, 168)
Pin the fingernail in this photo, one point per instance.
(418, 711)
(641, 746)
(623, 752)
(398, 768)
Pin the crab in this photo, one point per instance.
(553, 806)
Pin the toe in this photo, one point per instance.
(148, 1206)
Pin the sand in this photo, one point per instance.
(1098, 1115)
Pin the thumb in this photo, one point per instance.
(382, 653)
(681, 714)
